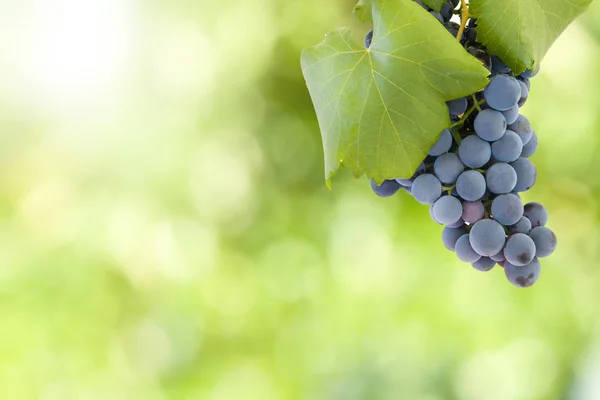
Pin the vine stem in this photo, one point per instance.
(464, 16)
(476, 106)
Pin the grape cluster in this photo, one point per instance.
(475, 171)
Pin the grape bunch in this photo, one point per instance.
(473, 175)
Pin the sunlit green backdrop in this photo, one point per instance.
(166, 232)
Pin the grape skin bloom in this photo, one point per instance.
(503, 92)
(520, 250)
(508, 148)
(465, 251)
(501, 178)
(447, 210)
(507, 209)
(544, 239)
(487, 237)
(524, 276)
(490, 125)
(448, 167)
(471, 185)
(474, 152)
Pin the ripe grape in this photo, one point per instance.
(404, 182)
(472, 211)
(498, 257)
(448, 167)
(544, 239)
(386, 189)
(507, 209)
(526, 174)
(498, 66)
(451, 235)
(442, 145)
(501, 178)
(458, 106)
(524, 276)
(465, 251)
(522, 127)
(503, 92)
(524, 93)
(508, 148)
(447, 210)
(536, 213)
(490, 125)
(487, 237)
(474, 152)
(531, 146)
(470, 185)
(484, 264)
(522, 226)
(520, 250)
(511, 114)
(426, 189)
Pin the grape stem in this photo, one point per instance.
(464, 17)
(476, 106)
(456, 136)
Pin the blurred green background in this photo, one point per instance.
(166, 232)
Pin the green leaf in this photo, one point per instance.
(520, 32)
(381, 109)
(435, 4)
(362, 10)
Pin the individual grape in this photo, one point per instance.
(484, 264)
(471, 36)
(447, 210)
(529, 73)
(498, 257)
(457, 224)
(511, 114)
(472, 211)
(501, 178)
(507, 149)
(404, 182)
(503, 92)
(523, 276)
(437, 16)
(474, 152)
(448, 167)
(447, 10)
(526, 174)
(433, 216)
(487, 237)
(442, 145)
(451, 235)
(470, 185)
(536, 213)
(369, 38)
(452, 28)
(507, 209)
(498, 66)
(426, 189)
(386, 189)
(522, 226)
(544, 239)
(526, 81)
(524, 93)
(458, 106)
(531, 146)
(522, 127)
(490, 125)
(519, 250)
(464, 251)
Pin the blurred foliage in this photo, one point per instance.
(165, 231)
